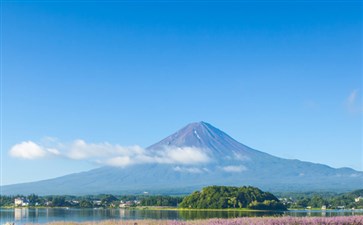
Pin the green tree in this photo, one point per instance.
(85, 204)
(59, 201)
(6, 201)
(107, 200)
(267, 205)
(34, 199)
(232, 201)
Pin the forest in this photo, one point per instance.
(349, 200)
(222, 197)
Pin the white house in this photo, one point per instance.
(358, 199)
(21, 202)
(18, 202)
(97, 202)
(126, 204)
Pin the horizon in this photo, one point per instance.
(283, 77)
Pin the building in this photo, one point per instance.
(18, 202)
(21, 202)
(97, 202)
(358, 199)
(126, 204)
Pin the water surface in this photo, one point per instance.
(45, 215)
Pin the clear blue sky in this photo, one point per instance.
(281, 77)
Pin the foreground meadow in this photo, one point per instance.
(343, 220)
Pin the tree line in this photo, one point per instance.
(348, 200)
(105, 201)
(209, 197)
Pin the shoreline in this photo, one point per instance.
(286, 220)
(161, 208)
(166, 208)
(151, 208)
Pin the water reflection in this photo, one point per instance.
(21, 213)
(46, 215)
(323, 213)
(192, 215)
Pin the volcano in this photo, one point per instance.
(198, 155)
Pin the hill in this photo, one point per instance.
(222, 197)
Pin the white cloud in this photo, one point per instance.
(186, 155)
(30, 150)
(53, 151)
(234, 169)
(119, 161)
(353, 103)
(241, 157)
(190, 169)
(109, 154)
(79, 149)
(352, 97)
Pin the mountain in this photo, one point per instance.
(198, 155)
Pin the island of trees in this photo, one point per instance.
(222, 197)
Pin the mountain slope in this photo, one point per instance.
(224, 162)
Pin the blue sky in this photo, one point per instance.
(281, 77)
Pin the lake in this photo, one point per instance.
(44, 215)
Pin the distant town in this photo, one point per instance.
(322, 201)
(98, 201)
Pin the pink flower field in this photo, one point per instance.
(342, 220)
